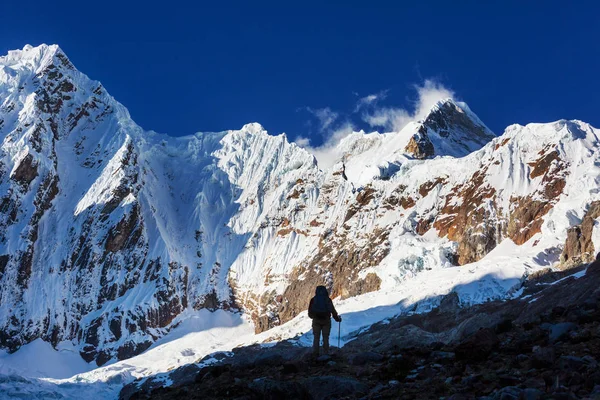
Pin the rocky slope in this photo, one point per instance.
(109, 233)
(544, 345)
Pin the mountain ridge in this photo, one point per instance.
(136, 227)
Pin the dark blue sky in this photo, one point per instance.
(182, 68)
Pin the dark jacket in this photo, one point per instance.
(331, 308)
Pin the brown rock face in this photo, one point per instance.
(428, 186)
(398, 198)
(128, 230)
(337, 265)
(526, 218)
(464, 220)
(527, 212)
(478, 228)
(542, 165)
(363, 198)
(407, 202)
(420, 146)
(423, 226)
(26, 171)
(579, 248)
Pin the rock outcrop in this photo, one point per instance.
(579, 247)
(419, 146)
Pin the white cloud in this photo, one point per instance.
(371, 99)
(394, 119)
(327, 154)
(389, 118)
(325, 116)
(302, 141)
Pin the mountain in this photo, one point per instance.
(111, 235)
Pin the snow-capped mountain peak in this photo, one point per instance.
(34, 58)
(111, 236)
(453, 129)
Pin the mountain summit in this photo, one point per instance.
(110, 235)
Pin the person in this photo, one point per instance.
(320, 310)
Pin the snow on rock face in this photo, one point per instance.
(454, 129)
(109, 233)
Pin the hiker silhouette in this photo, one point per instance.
(320, 310)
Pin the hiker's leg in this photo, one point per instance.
(326, 331)
(316, 337)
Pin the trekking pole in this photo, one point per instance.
(339, 329)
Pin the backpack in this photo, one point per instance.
(320, 304)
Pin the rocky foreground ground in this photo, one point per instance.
(544, 345)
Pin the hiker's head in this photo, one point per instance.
(321, 291)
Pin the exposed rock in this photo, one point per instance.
(531, 394)
(542, 165)
(404, 337)
(448, 116)
(420, 146)
(274, 359)
(542, 357)
(428, 186)
(334, 387)
(526, 218)
(364, 358)
(423, 226)
(479, 229)
(26, 171)
(126, 232)
(478, 346)
(579, 247)
(130, 349)
(407, 202)
(502, 143)
(560, 330)
(442, 355)
(508, 393)
(340, 265)
(475, 228)
(275, 390)
(324, 358)
(4, 258)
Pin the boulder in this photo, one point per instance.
(364, 358)
(542, 357)
(333, 387)
(184, 375)
(271, 389)
(559, 331)
(269, 358)
(324, 358)
(442, 355)
(508, 393)
(532, 394)
(571, 363)
(477, 346)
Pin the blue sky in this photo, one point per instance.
(182, 68)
